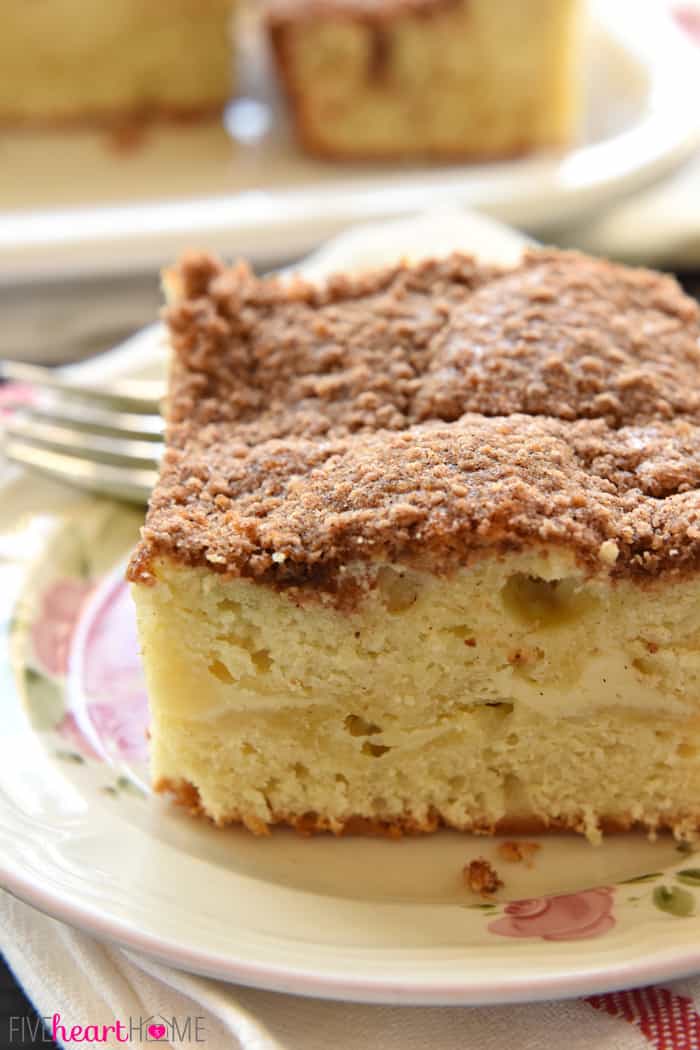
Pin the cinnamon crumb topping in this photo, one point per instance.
(425, 413)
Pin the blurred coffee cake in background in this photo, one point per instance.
(65, 61)
(421, 78)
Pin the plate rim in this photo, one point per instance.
(657, 966)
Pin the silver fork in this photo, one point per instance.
(104, 440)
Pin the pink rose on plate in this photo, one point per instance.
(688, 17)
(112, 678)
(569, 917)
(120, 726)
(71, 732)
(15, 395)
(121, 723)
(53, 629)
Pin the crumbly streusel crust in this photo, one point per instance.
(424, 413)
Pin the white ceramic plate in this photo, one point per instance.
(82, 838)
(70, 203)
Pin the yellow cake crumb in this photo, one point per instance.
(518, 852)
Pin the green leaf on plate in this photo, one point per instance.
(70, 756)
(685, 847)
(17, 622)
(674, 900)
(126, 784)
(44, 700)
(690, 876)
(648, 877)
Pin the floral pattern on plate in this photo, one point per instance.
(52, 631)
(114, 709)
(565, 917)
(84, 647)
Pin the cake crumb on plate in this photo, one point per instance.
(518, 852)
(481, 877)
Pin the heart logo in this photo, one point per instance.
(156, 1031)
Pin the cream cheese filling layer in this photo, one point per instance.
(522, 629)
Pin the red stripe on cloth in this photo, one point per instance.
(667, 1021)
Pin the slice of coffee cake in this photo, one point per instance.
(428, 78)
(425, 549)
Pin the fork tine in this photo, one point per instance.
(119, 482)
(129, 395)
(133, 425)
(87, 445)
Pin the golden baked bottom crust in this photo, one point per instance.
(187, 796)
(421, 414)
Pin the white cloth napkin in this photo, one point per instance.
(88, 983)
